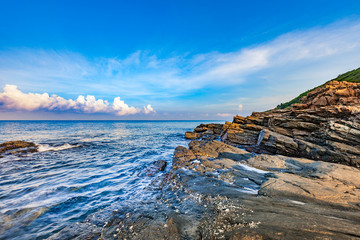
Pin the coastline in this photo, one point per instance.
(217, 191)
(270, 175)
(267, 176)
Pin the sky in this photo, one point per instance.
(168, 60)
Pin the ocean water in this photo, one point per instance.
(82, 168)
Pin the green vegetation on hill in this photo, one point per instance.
(351, 76)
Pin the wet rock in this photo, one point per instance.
(78, 231)
(155, 167)
(192, 135)
(17, 147)
(245, 196)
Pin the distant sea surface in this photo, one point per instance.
(82, 169)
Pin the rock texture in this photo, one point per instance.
(324, 126)
(17, 147)
(192, 135)
(271, 175)
(218, 191)
(155, 167)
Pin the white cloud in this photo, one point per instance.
(224, 114)
(148, 109)
(14, 99)
(285, 66)
(149, 74)
(240, 107)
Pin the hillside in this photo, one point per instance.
(351, 76)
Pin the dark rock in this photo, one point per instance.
(155, 167)
(19, 147)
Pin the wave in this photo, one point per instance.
(47, 147)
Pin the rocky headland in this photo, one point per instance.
(288, 173)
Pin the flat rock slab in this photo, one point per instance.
(239, 195)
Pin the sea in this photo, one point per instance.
(82, 169)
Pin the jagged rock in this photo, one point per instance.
(334, 92)
(218, 191)
(324, 126)
(192, 135)
(155, 167)
(182, 157)
(211, 128)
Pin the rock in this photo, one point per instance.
(300, 188)
(324, 126)
(216, 190)
(217, 149)
(201, 128)
(211, 128)
(192, 135)
(182, 157)
(156, 166)
(20, 147)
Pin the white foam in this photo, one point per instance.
(46, 147)
(249, 190)
(252, 169)
(297, 202)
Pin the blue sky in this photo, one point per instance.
(168, 59)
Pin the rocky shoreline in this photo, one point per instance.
(217, 191)
(324, 126)
(280, 174)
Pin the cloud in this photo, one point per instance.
(240, 107)
(224, 114)
(14, 99)
(176, 75)
(284, 66)
(148, 109)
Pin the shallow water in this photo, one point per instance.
(82, 167)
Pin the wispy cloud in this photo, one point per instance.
(287, 65)
(14, 99)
